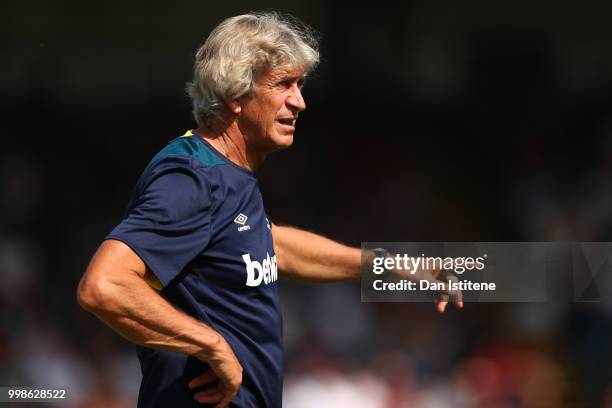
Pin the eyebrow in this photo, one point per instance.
(298, 78)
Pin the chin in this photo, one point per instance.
(283, 142)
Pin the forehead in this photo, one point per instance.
(277, 74)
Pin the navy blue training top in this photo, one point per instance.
(198, 222)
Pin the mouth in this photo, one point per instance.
(287, 122)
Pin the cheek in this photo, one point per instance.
(256, 118)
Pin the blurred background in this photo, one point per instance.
(426, 122)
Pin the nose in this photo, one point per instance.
(295, 99)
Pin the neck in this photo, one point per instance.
(232, 144)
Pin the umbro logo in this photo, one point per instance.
(241, 219)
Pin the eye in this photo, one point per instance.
(280, 85)
(287, 83)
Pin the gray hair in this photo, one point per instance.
(237, 50)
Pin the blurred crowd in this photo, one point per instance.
(422, 125)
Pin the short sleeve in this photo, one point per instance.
(168, 223)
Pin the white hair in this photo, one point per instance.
(237, 50)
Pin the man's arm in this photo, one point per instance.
(115, 289)
(308, 257)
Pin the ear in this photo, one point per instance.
(234, 105)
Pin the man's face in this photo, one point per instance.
(268, 116)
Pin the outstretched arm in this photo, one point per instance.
(116, 288)
(309, 257)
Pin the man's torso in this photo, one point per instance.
(230, 284)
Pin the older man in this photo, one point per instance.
(190, 273)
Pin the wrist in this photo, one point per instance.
(209, 344)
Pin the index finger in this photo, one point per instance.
(206, 378)
(457, 294)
